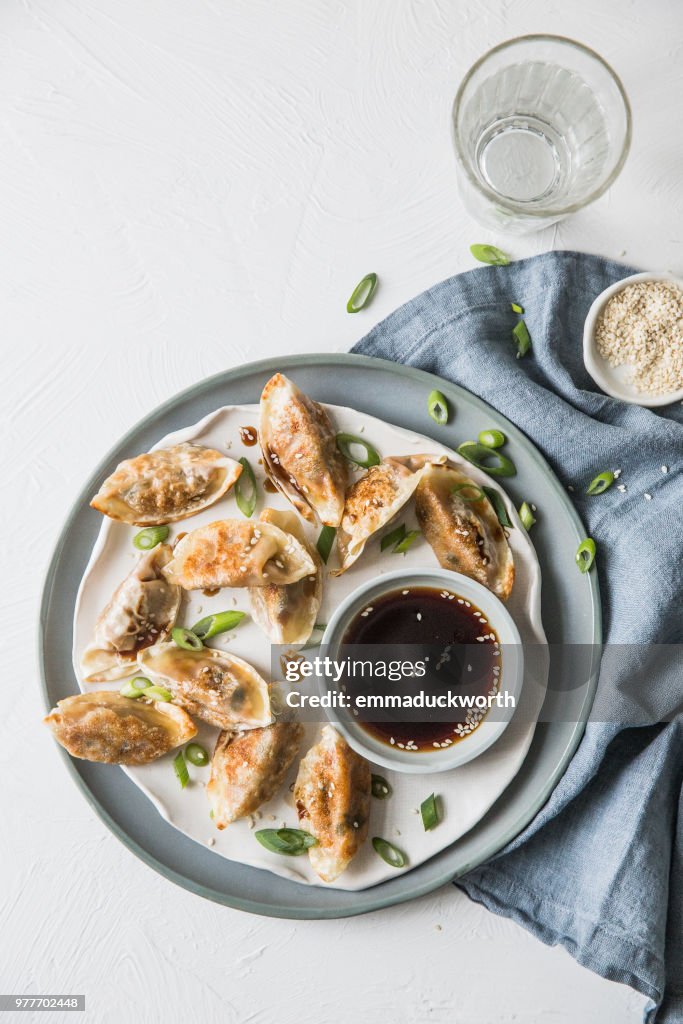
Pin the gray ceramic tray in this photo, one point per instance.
(571, 614)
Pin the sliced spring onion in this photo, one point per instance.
(585, 554)
(290, 842)
(468, 492)
(438, 407)
(186, 639)
(479, 455)
(492, 438)
(344, 444)
(498, 506)
(520, 332)
(325, 542)
(245, 489)
(148, 538)
(393, 538)
(429, 810)
(407, 542)
(526, 515)
(380, 788)
(389, 853)
(490, 254)
(362, 294)
(196, 754)
(180, 768)
(212, 625)
(516, 308)
(157, 693)
(601, 483)
(129, 689)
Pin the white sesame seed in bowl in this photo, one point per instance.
(633, 340)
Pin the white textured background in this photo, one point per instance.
(185, 185)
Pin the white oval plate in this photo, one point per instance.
(466, 792)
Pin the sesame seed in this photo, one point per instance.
(617, 474)
(648, 497)
(622, 488)
(665, 469)
(211, 841)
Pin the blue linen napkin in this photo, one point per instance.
(600, 869)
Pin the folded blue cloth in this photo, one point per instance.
(600, 869)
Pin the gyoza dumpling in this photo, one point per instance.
(332, 796)
(141, 612)
(375, 499)
(287, 613)
(300, 453)
(464, 535)
(238, 553)
(106, 727)
(215, 686)
(248, 768)
(166, 485)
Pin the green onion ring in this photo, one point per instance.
(394, 537)
(380, 788)
(219, 622)
(462, 489)
(389, 853)
(437, 407)
(516, 308)
(479, 454)
(492, 438)
(289, 842)
(362, 294)
(601, 483)
(157, 693)
(186, 639)
(585, 554)
(344, 442)
(245, 489)
(430, 813)
(196, 754)
(490, 254)
(407, 542)
(325, 542)
(526, 515)
(498, 506)
(148, 538)
(180, 768)
(520, 332)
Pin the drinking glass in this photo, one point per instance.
(541, 127)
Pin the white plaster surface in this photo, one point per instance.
(186, 185)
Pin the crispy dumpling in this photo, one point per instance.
(213, 685)
(287, 613)
(248, 768)
(166, 485)
(464, 535)
(375, 499)
(106, 727)
(300, 453)
(238, 553)
(332, 797)
(140, 613)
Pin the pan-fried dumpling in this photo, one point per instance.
(332, 796)
(248, 768)
(141, 613)
(375, 499)
(464, 535)
(300, 453)
(104, 726)
(287, 613)
(238, 553)
(166, 485)
(217, 687)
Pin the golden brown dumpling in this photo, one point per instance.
(287, 613)
(166, 485)
(104, 726)
(299, 447)
(248, 768)
(238, 553)
(332, 796)
(218, 687)
(141, 612)
(464, 535)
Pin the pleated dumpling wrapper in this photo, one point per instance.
(299, 446)
(141, 613)
(375, 499)
(104, 726)
(238, 553)
(248, 768)
(332, 797)
(287, 613)
(464, 534)
(217, 687)
(166, 485)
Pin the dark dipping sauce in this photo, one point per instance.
(433, 621)
(248, 436)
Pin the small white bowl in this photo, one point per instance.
(615, 380)
(511, 660)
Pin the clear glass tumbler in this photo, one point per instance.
(542, 127)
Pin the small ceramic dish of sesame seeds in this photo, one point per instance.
(434, 669)
(633, 340)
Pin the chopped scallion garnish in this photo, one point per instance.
(148, 538)
(516, 308)
(245, 489)
(380, 788)
(196, 754)
(290, 842)
(468, 492)
(345, 443)
(492, 438)
(498, 506)
(407, 542)
(325, 542)
(430, 813)
(157, 693)
(480, 456)
(180, 768)
(389, 853)
(438, 407)
(135, 688)
(526, 515)
(520, 333)
(394, 537)
(186, 639)
(362, 294)
(490, 254)
(601, 483)
(585, 554)
(220, 622)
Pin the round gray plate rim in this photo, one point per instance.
(342, 379)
